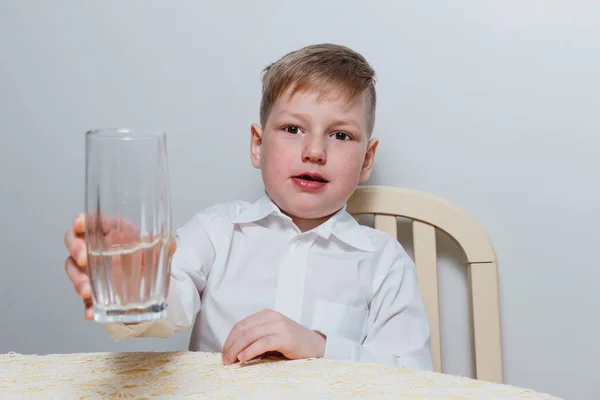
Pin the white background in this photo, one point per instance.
(492, 105)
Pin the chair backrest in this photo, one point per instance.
(429, 213)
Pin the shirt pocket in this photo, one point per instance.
(335, 319)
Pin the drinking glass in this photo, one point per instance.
(128, 224)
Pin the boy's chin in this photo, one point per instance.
(305, 205)
(307, 210)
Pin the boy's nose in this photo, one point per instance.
(314, 150)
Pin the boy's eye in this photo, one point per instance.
(341, 136)
(292, 129)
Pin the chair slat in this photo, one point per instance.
(425, 250)
(483, 279)
(387, 224)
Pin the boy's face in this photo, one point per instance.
(313, 152)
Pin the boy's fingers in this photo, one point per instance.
(242, 339)
(105, 223)
(79, 224)
(69, 238)
(89, 310)
(260, 318)
(235, 332)
(261, 346)
(76, 246)
(79, 279)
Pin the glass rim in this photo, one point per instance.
(123, 134)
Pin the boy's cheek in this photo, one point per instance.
(347, 164)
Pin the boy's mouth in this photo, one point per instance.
(311, 177)
(309, 181)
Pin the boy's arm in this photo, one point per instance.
(194, 256)
(398, 327)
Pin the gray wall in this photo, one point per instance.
(492, 106)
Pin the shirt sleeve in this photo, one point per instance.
(397, 328)
(190, 263)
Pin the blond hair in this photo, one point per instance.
(321, 67)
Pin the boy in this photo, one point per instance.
(294, 273)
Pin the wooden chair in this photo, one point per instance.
(429, 213)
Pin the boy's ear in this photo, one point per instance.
(365, 172)
(255, 144)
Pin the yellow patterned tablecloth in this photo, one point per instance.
(190, 375)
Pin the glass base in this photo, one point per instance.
(131, 315)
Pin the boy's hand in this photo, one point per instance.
(268, 331)
(115, 230)
(75, 264)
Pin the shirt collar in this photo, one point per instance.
(262, 208)
(341, 225)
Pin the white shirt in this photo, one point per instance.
(353, 283)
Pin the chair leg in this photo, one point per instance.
(486, 321)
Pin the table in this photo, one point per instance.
(189, 375)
